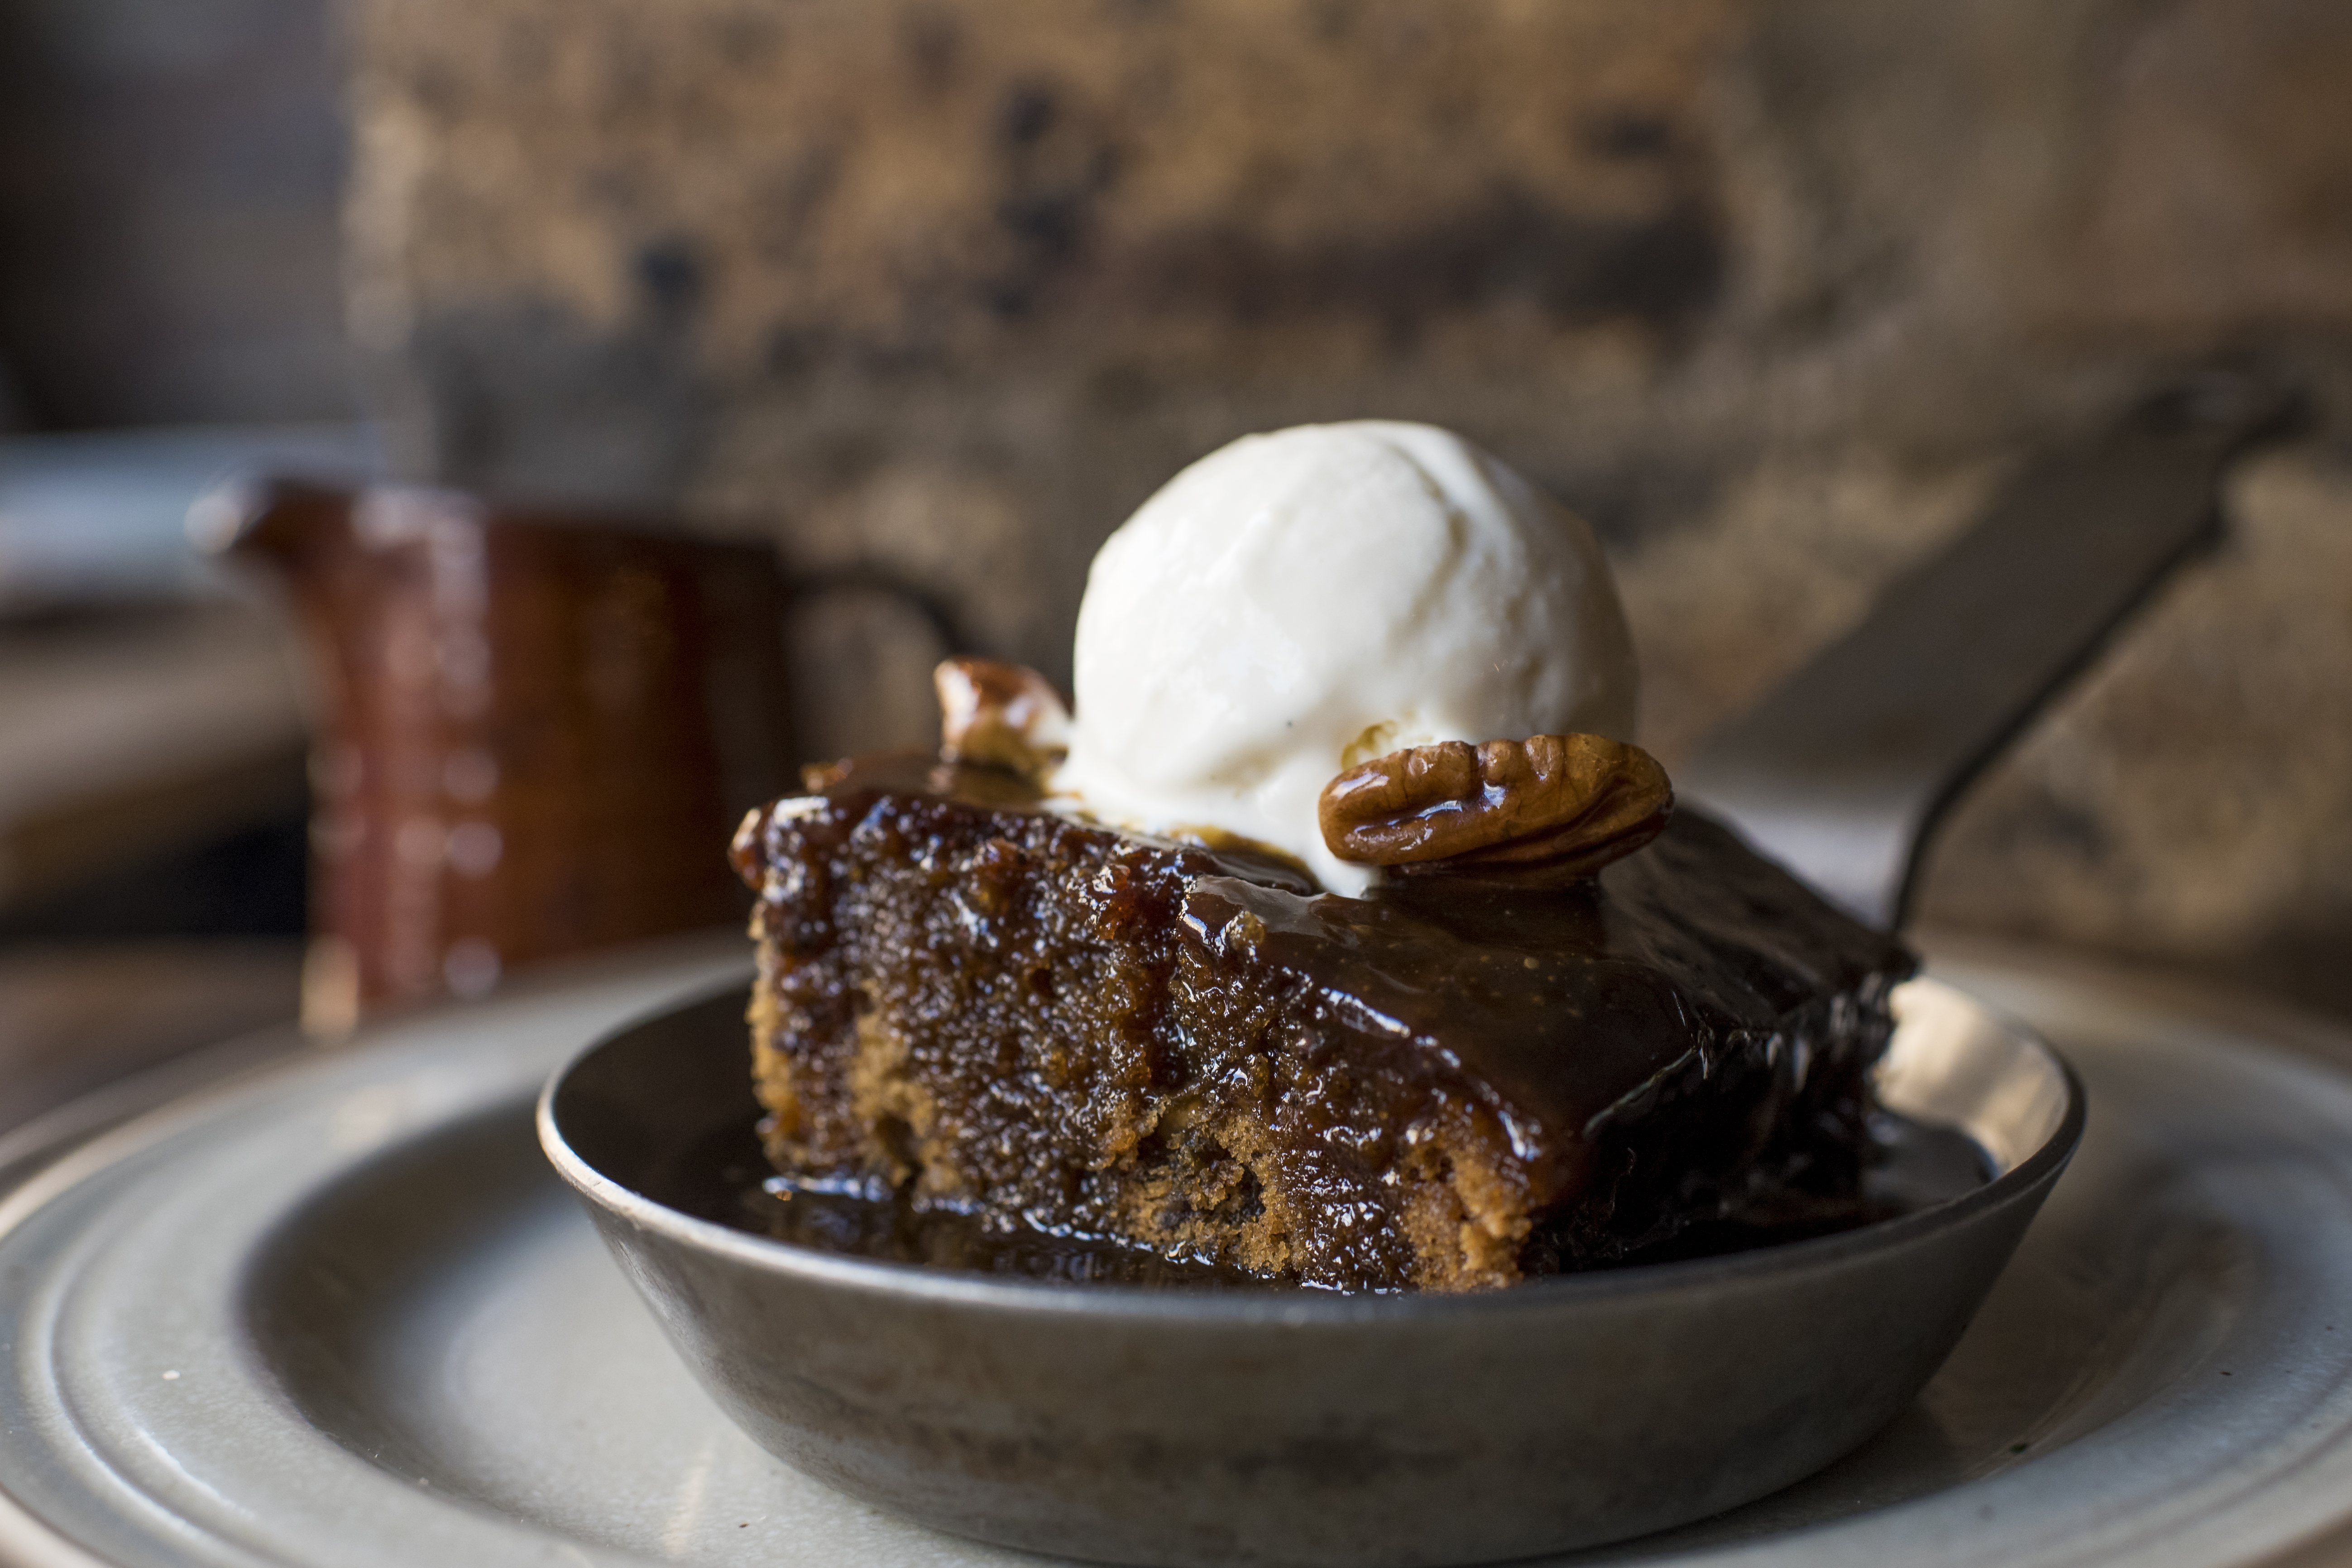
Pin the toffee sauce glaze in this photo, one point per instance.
(1909, 1166)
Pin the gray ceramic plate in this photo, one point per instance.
(340, 1313)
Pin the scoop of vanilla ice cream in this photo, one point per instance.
(1299, 602)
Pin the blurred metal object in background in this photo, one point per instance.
(1842, 771)
(536, 733)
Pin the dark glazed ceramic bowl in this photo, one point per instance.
(1188, 1427)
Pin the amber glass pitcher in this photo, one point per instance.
(535, 733)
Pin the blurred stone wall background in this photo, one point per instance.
(939, 289)
(934, 291)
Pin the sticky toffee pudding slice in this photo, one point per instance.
(1495, 1064)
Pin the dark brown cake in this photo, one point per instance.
(1459, 1080)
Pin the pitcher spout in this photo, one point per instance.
(280, 522)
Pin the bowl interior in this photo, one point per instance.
(661, 1105)
(1954, 1064)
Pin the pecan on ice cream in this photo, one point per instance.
(1566, 803)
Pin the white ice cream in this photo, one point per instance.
(1296, 603)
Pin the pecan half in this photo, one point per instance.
(1567, 804)
(1004, 715)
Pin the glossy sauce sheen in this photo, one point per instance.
(1910, 1166)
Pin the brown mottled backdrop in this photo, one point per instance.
(936, 290)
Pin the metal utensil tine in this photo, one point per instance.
(1842, 771)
